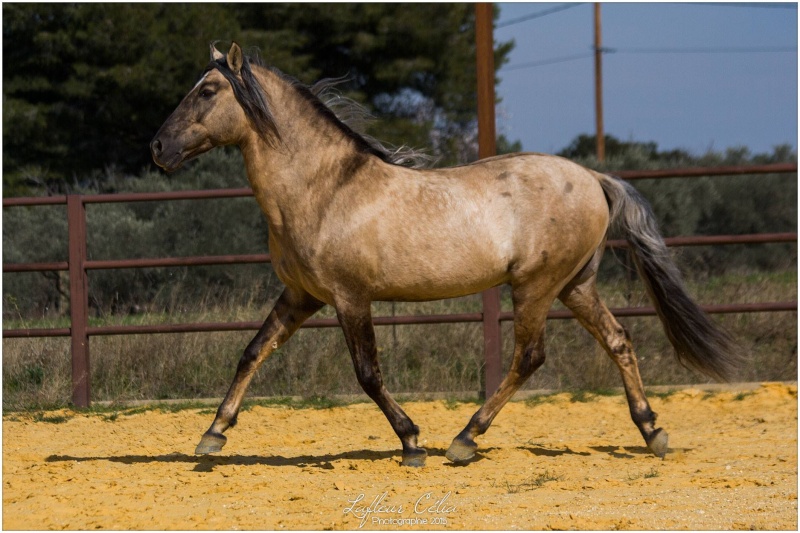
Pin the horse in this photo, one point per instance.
(351, 222)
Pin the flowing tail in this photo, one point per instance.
(699, 343)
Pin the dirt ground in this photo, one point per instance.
(552, 464)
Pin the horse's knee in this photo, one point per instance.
(369, 378)
(532, 359)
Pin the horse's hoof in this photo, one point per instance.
(414, 458)
(658, 443)
(461, 451)
(210, 443)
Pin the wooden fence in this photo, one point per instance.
(78, 266)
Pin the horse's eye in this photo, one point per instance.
(206, 93)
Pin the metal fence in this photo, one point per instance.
(78, 266)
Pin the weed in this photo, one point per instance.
(54, 419)
(662, 395)
(580, 396)
(539, 399)
(651, 474)
(741, 396)
(605, 392)
(534, 482)
(311, 402)
(452, 403)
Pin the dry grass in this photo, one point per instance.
(425, 358)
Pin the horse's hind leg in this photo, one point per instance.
(356, 321)
(530, 313)
(290, 311)
(583, 300)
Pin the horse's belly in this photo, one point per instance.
(435, 289)
(441, 272)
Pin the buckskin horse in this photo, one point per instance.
(350, 223)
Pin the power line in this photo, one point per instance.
(779, 5)
(538, 14)
(704, 50)
(552, 61)
(607, 50)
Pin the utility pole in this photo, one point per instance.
(598, 84)
(484, 43)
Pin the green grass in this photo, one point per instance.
(539, 399)
(583, 396)
(312, 402)
(50, 419)
(741, 396)
(650, 474)
(661, 395)
(113, 412)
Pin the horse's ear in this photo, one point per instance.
(216, 55)
(235, 58)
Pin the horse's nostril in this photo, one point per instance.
(156, 147)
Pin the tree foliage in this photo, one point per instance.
(87, 85)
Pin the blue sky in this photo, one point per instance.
(693, 101)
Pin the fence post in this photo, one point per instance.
(484, 44)
(78, 300)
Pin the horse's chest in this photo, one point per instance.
(295, 271)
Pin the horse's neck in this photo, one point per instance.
(295, 177)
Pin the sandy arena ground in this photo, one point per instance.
(557, 464)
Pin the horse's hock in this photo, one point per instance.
(552, 462)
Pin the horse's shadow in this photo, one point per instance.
(549, 452)
(629, 452)
(207, 463)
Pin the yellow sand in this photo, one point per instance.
(554, 465)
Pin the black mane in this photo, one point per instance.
(254, 102)
(251, 97)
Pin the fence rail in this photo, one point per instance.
(78, 266)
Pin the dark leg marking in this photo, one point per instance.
(289, 312)
(529, 354)
(593, 315)
(360, 337)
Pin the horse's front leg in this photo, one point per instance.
(356, 321)
(290, 311)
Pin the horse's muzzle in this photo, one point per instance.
(164, 159)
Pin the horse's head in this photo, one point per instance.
(223, 107)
